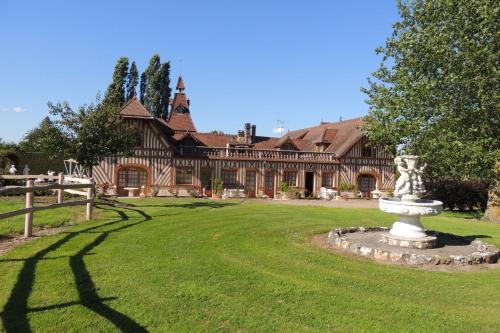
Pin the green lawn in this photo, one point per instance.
(47, 218)
(198, 265)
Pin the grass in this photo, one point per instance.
(188, 265)
(46, 218)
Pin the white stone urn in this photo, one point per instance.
(407, 203)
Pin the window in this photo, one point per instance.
(368, 151)
(327, 180)
(180, 110)
(184, 177)
(229, 177)
(287, 146)
(131, 177)
(290, 177)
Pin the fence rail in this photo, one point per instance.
(60, 187)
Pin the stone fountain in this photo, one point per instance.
(407, 242)
(408, 231)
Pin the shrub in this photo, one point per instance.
(293, 193)
(346, 187)
(284, 187)
(461, 195)
(218, 185)
(154, 191)
(194, 193)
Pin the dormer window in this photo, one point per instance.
(368, 151)
(287, 146)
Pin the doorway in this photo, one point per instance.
(269, 183)
(250, 183)
(309, 184)
(206, 181)
(366, 184)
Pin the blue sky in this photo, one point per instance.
(242, 61)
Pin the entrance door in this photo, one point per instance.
(366, 184)
(250, 184)
(131, 177)
(269, 184)
(309, 183)
(206, 181)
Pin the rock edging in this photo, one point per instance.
(486, 253)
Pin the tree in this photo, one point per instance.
(155, 87)
(117, 90)
(132, 80)
(47, 139)
(142, 87)
(164, 88)
(436, 93)
(93, 132)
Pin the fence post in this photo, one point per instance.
(90, 193)
(60, 192)
(28, 217)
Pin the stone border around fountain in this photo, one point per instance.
(486, 253)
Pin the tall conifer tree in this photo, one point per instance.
(132, 80)
(115, 94)
(155, 90)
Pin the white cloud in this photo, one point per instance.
(16, 109)
(278, 130)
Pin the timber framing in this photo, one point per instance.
(254, 163)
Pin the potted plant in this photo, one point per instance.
(217, 189)
(347, 190)
(284, 189)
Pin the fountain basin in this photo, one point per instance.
(408, 226)
(419, 207)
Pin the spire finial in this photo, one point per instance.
(180, 84)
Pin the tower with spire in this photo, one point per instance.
(179, 119)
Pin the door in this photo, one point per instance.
(206, 181)
(132, 177)
(309, 185)
(269, 184)
(366, 184)
(250, 183)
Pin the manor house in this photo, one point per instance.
(173, 158)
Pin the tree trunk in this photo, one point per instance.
(493, 209)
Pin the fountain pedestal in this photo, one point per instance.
(407, 231)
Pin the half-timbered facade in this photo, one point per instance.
(173, 158)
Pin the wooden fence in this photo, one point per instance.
(68, 184)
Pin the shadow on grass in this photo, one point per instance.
(15, 313)
(171, 204)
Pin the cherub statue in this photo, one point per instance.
(418, 184)
(403, 183)
(12, 169)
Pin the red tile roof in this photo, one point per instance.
(134, 109)
(180, 121)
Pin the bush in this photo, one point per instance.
(294, 193)
(460, 195)
(346, 187)
(194, 193)
(284, 187)
(218, 186)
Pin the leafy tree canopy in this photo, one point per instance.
(46, 138)
(436, 93)
(93, 132)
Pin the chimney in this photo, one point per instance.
(254, 133)
(247, 132)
